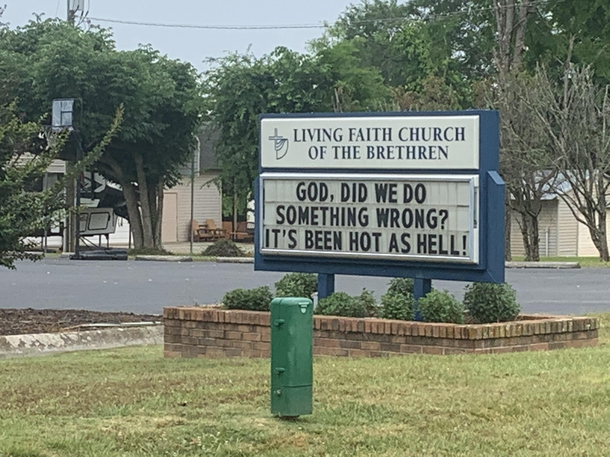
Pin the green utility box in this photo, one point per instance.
(291, 356)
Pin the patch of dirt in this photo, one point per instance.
(23, 321)
(223, 248)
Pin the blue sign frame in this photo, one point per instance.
(491, 217)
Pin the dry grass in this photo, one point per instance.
(132, 402)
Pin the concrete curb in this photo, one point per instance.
(235, 259)
(49, 343)
(549, 265)
(164, 258)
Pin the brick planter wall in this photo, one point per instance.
(213, 332)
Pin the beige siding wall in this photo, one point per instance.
(568, 231)
(207, 203)
(586, 248)
(547, 221)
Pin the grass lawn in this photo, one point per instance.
(585, 262)
(132, 402)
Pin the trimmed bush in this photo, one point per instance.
(342, 304)
(397, 306)
(488, 303)
(401, 286)
(223, 248)
(297, 285)
(339, 304)
(257, 299)
(367, 302)
(439, 306)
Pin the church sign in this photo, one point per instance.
(387, 194)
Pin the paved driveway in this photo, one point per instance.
(147, 287)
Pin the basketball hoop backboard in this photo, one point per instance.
(77, 5)
(63, 110)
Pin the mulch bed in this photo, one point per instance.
(24, 321)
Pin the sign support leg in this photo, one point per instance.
(326, 285)
(420, 288)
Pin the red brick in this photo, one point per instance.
(454, 351)
(398, 339)
(539, 347)
(557, 345)
(451, 331)
(387, 328)
(361, 325)
(482, 351)
(328, 343)
(377, 354)
(368, 326)
(261, 346)
(251, 336)
(215, 352)
(394, 328)
(266, 338)
(501, 350)
(390, 347)
(370, 345)
(229, 335)
(265, 319)
(358, 353)
(215, 333)
(432, 350)
(347, 344)
(242, 344)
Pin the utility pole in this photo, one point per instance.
(71, 13)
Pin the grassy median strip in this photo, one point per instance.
(132, 402)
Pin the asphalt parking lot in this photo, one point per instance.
(146, 287)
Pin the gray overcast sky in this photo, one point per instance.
(195, 45)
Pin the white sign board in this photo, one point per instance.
(414, 217)
(375, 142)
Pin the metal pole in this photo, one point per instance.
(70, 15)
(198, 150)
(79, 157)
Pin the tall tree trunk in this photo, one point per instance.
(147, 230)
(601, 233)
(534, 238)
(131, 200)
(135, 219)
(159, 215)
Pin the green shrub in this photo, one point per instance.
(439, 306)
(257, 299)
(342, 304)
(487, 303)
(339, 304)
(366, 300)
(401, 286)
(223, 248)
(297, 285)
(397, 306)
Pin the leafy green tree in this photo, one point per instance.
(161, 97)
(420, 45)
(241, 87)
(21, 213)
(24, 161)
